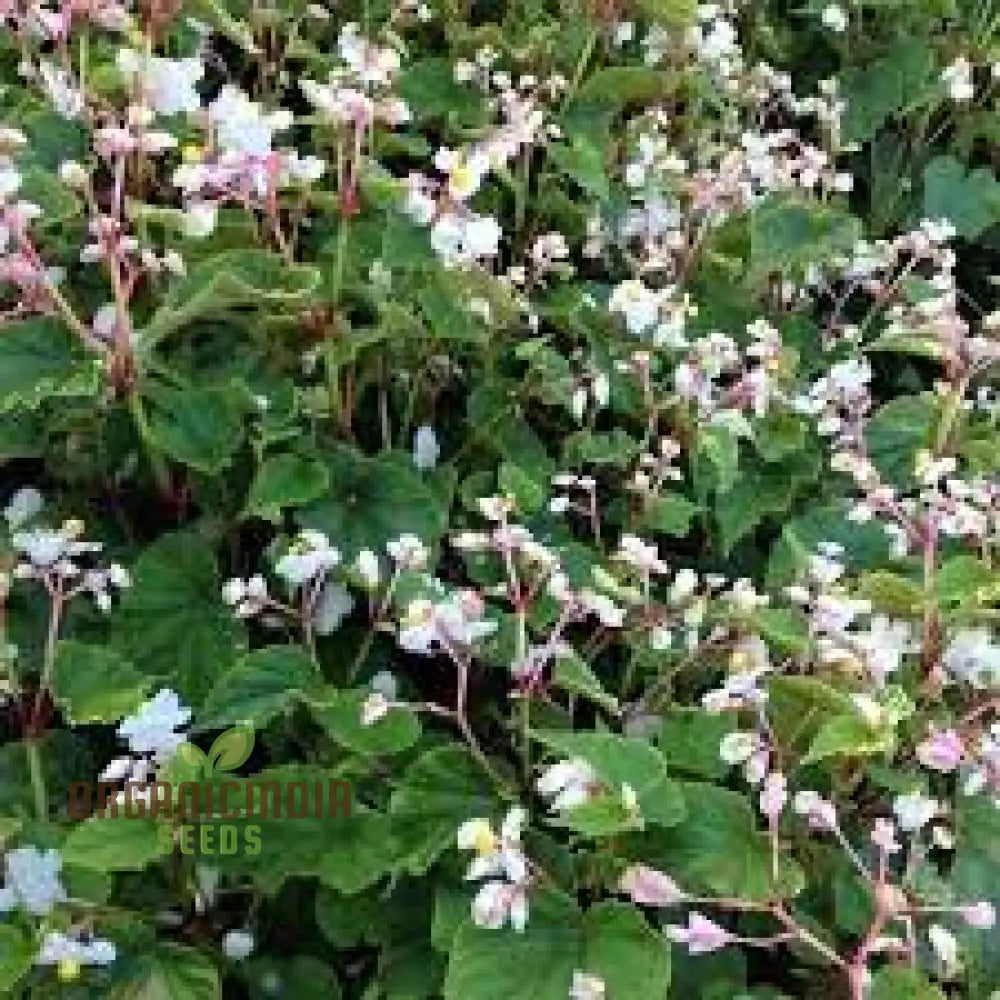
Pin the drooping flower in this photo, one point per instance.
(649, 887)
(425, 448)
(701, 935)
(569, 784)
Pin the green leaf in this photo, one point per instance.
(878, 90)
(615, 87)
(583, 162)
(964, 580)
(430, 88)
(788, 233)
(363, 853)
(621, 948)
(611, 941)
(527, 491)
(798, 706)
(897, 431)
(43, 188)
(669, 513)
(339, 713)
(272, 978)
(374, 500)
(969, 201)
(17, 955)
(95, 684)
(721, 450)
(198, 427)
(284, 481)
(171, 972)
(617, 761)
(849, 736)
(41, 358)
(673, 13)
(865, 545)
(717, 848)
(438, 792)
(172, 620)
(112, 844)
(689, 739)
(786, 629)
(891, 593)
(503, 964)
(263, 684)
(902, 983)
(236, 279)
(572, 673)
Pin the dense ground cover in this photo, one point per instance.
(569, 427)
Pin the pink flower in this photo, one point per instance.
(942, 751)
(819, 813)
(884, 836)
(649, 887)
(701, 935)
(773, 796)
(980, 915)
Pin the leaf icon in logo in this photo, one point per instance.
(191, 755)
(232, 748)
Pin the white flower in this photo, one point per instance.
(310, 557)
(408, 552)
(638, 305)
(569, 784)
(945, 947)
(73, 174)
(914, 811)
(385, 683)
(497, 855)
(152, 729)
(835, 18)
(684, 585)
(374, 708)
(32, 881)
(58, 948)
(586, 987)
(456, 621)
(820, 814)
(167, 84)
(61, 89)
(735, 748)
(44, 547)
(368, 569)
(200, 218)
(958, 79)
(425, 448)
(335, 604)
(498, 903)
(238, 945)
(23, 506)
(241, 126)
(972, 657)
